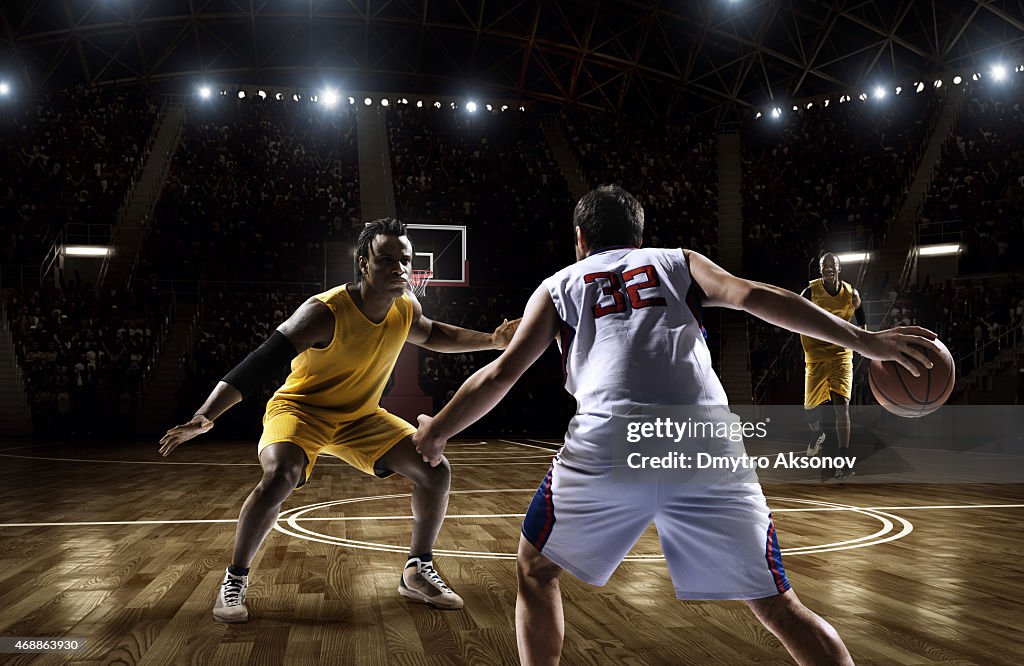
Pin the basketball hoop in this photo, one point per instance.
(418, 282)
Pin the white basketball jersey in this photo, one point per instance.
(631, 335)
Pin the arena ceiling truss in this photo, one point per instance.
(656, 57)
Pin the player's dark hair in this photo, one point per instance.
(385, 226)
(610, 216)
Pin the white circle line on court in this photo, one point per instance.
(327, 519)
(292, 527)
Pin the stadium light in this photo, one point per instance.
(852, 257)
(278, 96)
(504, 107)
(810, 104)
(367, 101)
(938, 83)
(241, 94)
(862, 97)
(295, 97)
(899, 89)
(938, 250)
(437, 105)
(5, 88)
(999, 73)
(471, 107)
(384, 101)
(489, 107)
(757, 115)
(262, 94)
(796, 108)
(826, 103)
(776, 112)
(879, 92)
(419, 104)
(351, 100)
(204, 91)
(86, 251)
(957, 80)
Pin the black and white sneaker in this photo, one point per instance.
(816, 443)
(427, 586)
(230, 605)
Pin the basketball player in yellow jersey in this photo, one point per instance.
(342, 346)
(829, 368)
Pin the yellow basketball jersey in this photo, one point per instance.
(841, 305)
(345, 380)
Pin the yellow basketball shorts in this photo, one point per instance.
(821, 378)
(360, 443)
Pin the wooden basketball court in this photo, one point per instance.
(124, 550)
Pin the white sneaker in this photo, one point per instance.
(427, 586)
(230, 605)
(814, 448)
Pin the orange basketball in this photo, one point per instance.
(904, 394)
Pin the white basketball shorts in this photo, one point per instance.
(719, 541)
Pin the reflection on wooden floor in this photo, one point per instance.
(123, 549)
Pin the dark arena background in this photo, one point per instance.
(177, 176)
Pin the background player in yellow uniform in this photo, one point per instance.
(828, 368)
(342, 346)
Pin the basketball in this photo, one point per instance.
(906, 395)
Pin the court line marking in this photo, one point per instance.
(294, 529)
(506, 461)
(938, 507)
(532, 446)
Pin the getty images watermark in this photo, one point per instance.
(721, 433)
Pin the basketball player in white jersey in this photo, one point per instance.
(628, 322)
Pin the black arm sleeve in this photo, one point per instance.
(858, 314)
(261, 363)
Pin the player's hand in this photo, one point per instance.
(428, 446)
(904, 345)
(184, 432)
(503, 334)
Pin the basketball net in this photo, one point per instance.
(418, 282)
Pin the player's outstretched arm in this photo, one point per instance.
(488, 385)
(788, 310)
(441, 337)
(311, 324)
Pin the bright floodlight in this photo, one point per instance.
(437, 105)
(938, 83)
(384, 102)
(879, 92)
(367, 101)
(852, 257)
(419, 104)
(999, 73)
(757, 115)
(241, 94)
(862, 96)
(957, 80)
(899, 89)
(938, 250)
(329, 97)
(5, 89)
(776, 112)
(204, 91)
(86, 250)
(295, 97)
(471, 107)
(351, 100)
(826, 103)
(262, 94)
(920, 86)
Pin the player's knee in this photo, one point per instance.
(536, 570)
(777, 610)
(436, 479)
(280, 478)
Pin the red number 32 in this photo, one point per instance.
(613, 288)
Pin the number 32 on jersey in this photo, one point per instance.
(635, 280)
